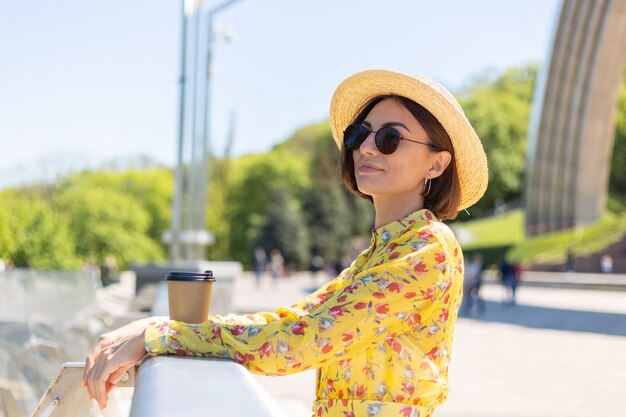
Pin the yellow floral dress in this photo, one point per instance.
(379, 334)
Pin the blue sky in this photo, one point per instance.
(83, 83)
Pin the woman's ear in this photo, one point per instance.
(439, 163)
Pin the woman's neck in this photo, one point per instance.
(390, 208)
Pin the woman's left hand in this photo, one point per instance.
(111, 365)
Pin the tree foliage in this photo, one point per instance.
(108, 222)
(499, 110)
(283, 228)
(151, 189)
(617, 181)
(255, 177)
(33, 235)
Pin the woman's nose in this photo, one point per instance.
(369, 145)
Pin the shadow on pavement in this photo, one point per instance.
(612, 324)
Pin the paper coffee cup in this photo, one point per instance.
(189, 295)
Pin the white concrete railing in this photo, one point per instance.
(169, 386)
(165, 386)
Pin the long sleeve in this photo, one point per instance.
(356, 311)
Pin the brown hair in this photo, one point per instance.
(444, 197)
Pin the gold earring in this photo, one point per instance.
(427, 183)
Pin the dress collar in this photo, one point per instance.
(388, 232)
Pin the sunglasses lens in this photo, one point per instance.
(353, 136)
(387, 140)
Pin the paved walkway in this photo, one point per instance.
(557, 353)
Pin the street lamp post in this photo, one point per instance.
(206, 144)
(195, 236)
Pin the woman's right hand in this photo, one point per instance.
(114, 338)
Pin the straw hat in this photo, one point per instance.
(470, 159)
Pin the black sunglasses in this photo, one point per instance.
(387, 138)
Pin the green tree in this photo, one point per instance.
(326, 206)
(256, 176)
(328, 221)
(283, 228)
(617, 181)
(217, 211)
(151, 188)
(104, 221)
(33, 235)
(499, 110)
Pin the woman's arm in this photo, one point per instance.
(378, 304)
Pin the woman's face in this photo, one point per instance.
(402, 173)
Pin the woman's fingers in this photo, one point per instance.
(111, 365)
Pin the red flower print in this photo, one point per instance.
(456, 251)
(238, 330)
(243, 359)
(330, 385)
(391, 246)
(429, 293)
(266, 349)
(378, 294)
(382, 308)
(393, 343)
(446, 285)
(342, 298)
(327, 348)
(360, 306)
(321, 298)
(360, 391)
(407, 386)
(420, 268)
(320, 411)
(395, 287)
(443, 317)
(348, 414)
(344, 363)
(350, 288)
(446, 299)
(394, 255)
(414, 319)
(425, 234)
(406, 410)
(434, 353)
(336, 311)
(428, 215)
(410, 295)
(216, 330)
(298, 327)
(440, 257)
(347, 337)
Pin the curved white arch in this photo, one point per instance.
(573, 118)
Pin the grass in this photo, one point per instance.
(502, 230)
(508, 230)
(584, 240)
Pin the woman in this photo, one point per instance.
(380, 333)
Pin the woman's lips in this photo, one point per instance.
(366, 168)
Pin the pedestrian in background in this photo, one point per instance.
(260, 263)
(472, 283)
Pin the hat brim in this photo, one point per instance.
(470, 160)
